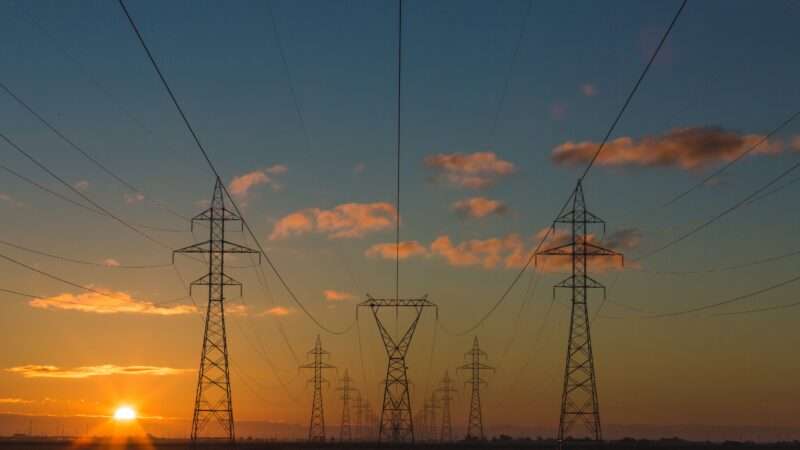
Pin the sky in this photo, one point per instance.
(501, 111)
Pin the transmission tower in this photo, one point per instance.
(475, 366)
(579, 398)
(446, 390)
(396, 422)
(213, 409)
(316, 429)
(431, 406)
(346, 431)
(360, 409)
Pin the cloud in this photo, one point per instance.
(684, 148)
(109, 302)
(337, 296)
(48, 371)
(513, 251)
(241, 185)
(277, 311)
(388, 250)
(111, 262)
(478, 207)
(6, 198)
(81, 185)
(14, 401)
(349, 220)
(469, 170)
(136, 197)
(588, 90)
(487, 253)
(359, 168)
(558, 110)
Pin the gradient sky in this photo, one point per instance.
(725, 77)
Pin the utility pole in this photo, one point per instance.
(579, 398)
(446, 390)
(213, 405)
(396, 421)
(316, 429)
(345, 431)
(474, 365)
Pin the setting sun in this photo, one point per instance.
(124, 414)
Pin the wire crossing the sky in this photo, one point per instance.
(600, 148)
(211, 166)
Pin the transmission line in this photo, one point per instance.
(225, 189)
(600, 148)
(759, 310)
(83, 152)
(81, 261)
(79, 193)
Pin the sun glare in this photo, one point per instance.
(124, 414)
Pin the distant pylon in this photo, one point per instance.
(474, 365)
(430, 411)
(345, 430)
(213, 395)
(396, 421)
(445, 391)
(316, 429)
(360, 408)
(579, 398)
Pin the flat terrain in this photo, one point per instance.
(158, 444)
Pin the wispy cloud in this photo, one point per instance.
(359, 168)
(337, 296)
(389, 250)
(48, 371)
(81, 185)
(136, 197)
(14, 401)
(277, 311)
(109, 302)
(479, 207)
(8, 199)
(241, 185)
(588, 89)
(469, 170)
(684, 148)
(349, 220)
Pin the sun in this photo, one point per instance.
(124, 413)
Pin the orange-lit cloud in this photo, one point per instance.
(136, 197)
(108, 302)
(81, 185)
(349, 220)
(48, 371)
(111, 262)
(389, 250)
(277, 311)
(240, 185)
(14, 401)
(337, 296)
(588, 89)
(512, 251)
(684, 148)
(469, 170)
(478, 207)
(7, 198)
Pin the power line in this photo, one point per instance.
(399, 128)
(81, 261)
(216, 174)
(633, 91)
(736, 299)
(83, 152)
(79, 193)
(759, 310)
(727, 166)
(583, 175)
(720, 215)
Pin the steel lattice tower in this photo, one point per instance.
(316, 428)
(396, 422)
(446, 390)
(346, 430)
(579, 399)
(475, 366)
(430, 417)
(360, 409)
(213, 395)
